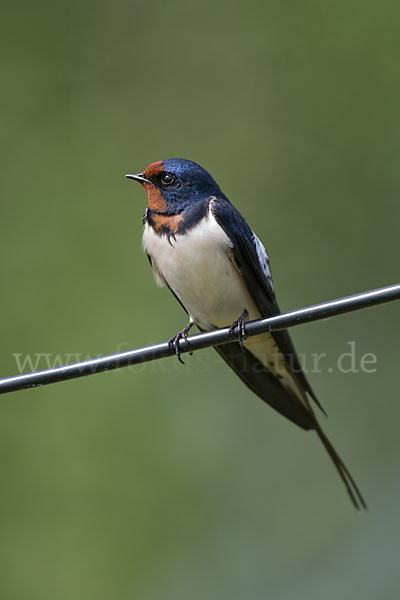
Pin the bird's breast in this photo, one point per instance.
(165, 224)
(198, 267)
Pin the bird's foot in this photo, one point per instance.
(174, 342)
(240, 324)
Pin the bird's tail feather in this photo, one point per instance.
(263, 383)
(345, 475)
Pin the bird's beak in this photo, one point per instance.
(138, 177)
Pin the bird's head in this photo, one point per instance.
(175, 183)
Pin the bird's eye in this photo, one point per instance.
(167, 178)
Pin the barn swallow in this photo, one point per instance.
(201, 247)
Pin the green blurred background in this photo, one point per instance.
(171, 482)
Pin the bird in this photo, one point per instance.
(201, 247)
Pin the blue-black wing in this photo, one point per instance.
(252, 261)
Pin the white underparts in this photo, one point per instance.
(198, 266)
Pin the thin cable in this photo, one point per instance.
(136, 356)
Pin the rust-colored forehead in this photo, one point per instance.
(154, 168)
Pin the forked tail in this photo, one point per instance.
(345, 475)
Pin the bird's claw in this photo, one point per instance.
(240, 324)
(174, 343)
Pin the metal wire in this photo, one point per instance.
(201, 340)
